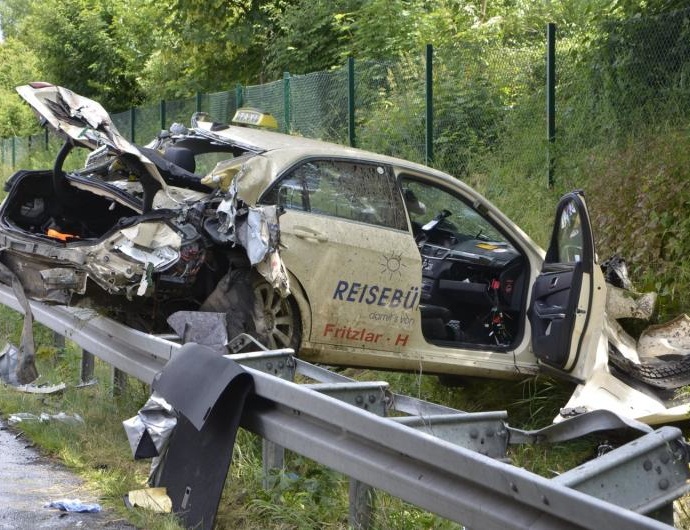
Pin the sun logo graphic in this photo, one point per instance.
(392, 264)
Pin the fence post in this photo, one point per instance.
(2, 151)
(429, 104)
(14, 151)
(162, 113)
(47, 139)
(286, 101)
(132, 124)
(351, 101)
(239, 96)
(198, 102)
(550, 98)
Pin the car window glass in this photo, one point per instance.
(570, 240)
(425, 203)
(349, 190)
(205, 162)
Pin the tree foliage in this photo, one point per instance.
(19, 65)
(124, 52)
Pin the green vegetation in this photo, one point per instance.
(622, 136)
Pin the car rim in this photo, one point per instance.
(279, 317)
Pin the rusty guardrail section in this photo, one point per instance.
(440, 459)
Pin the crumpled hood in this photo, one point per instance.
(81, 120)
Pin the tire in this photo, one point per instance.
(279, 321)
(662, 373)
(252, 306)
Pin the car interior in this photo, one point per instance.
(473, 278)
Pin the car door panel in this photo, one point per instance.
(561, 295)
(346, 239)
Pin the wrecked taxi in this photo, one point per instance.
(349, 257)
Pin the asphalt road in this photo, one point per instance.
(28, 481)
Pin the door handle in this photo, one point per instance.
(309, 234)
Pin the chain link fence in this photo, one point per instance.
(488, 100)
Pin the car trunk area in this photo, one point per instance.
(34, 208)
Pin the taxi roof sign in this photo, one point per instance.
(255, 117)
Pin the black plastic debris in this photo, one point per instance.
(208, 392)
(615, 272)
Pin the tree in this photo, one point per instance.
(205, 46)
(18, 65)
(95, 48)
(301, 44)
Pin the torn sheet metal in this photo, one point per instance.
(209, 392)
(9, 357)
(225, 172)
(670, 338)
(623, 303)
(160, 258)
(40, 389)
(152, 235)
(579, 424)
(70, 419)
(64, 279)
(149, 431)
(258, 231)
(25, 370)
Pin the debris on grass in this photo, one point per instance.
(155, 499)
(19, 417)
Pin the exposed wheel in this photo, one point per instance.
(254, 307)
(279, 324)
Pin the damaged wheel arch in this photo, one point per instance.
(255, 307)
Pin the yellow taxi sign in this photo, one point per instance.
(249, 116)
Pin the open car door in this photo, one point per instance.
(562, 295)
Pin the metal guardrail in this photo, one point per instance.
(413, 464)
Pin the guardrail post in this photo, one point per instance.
(119, 382)
(87, 366)
(361, 505)
(272, 457)
(58, 340)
